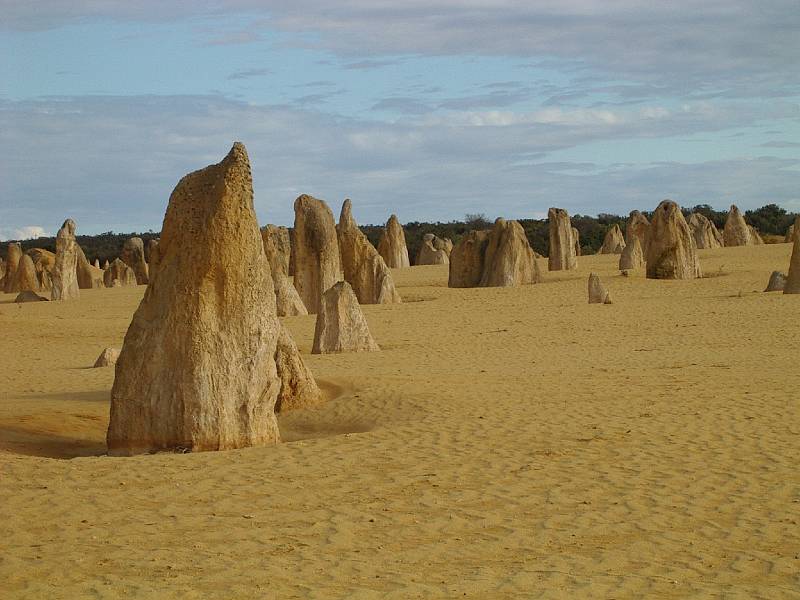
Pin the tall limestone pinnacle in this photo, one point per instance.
(392, 245)
(197, 369)
(671, 252)
(562, 254)
(65, 276)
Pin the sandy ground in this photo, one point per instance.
(506, 443)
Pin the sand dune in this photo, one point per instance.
(505, 443)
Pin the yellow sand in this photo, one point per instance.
(506, 443)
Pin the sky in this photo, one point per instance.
(428, 109)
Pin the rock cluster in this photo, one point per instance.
(434, 250)
(118, 274)
(89, 277)
(364, 269)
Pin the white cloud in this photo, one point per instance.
(28, 232)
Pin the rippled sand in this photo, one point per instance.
(506, 443)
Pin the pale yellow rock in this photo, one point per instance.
(89, 277)
(298, 388)
(65, 278)
(704, 232)
(562, 255)
(341, 326)
(364, 269)
(392, 245)
(198, 367)
(789, 235)
(793, 277)
(107, 358)
(632, 256)
(737, 231)
(287, 300)
(278, 247)
(133, 256)
(576, 238)
(315, 248)
(43, 261)
(614, 242)
(671, 253)
(105, 265)
(25, 279)
(152, 257)
(118, 274)
(598, 294)
(96, 264)
(433, 251)
(509, 259)
(638, 226)
(755, 237)
(12, 262)
(467, 259)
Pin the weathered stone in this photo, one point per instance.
(793, 278)
(364, 269)
(107, 358)
(562, 256)
(96, 264)
(118, 274)
(777, 282)
(755, 237)
(392, 246)
(152, 257)
(198, 367)
(432, 251)
(704, 232)
(341, 326)
(509, 259)
(316, 250)
(43, 261)
(12, 262)
(789, 235)
(614, 242)
(445, 244)
(25, 279)
(89, 277)
(598, 294)
(298, 388)
(670, 250)
(287, 300)
(65, 277)
(29, 296)
(277, 247)
(467, 258)
(632, 256)
(736, 232)
(106, 265)
(638, 226)
(133, 256)
(576, 238)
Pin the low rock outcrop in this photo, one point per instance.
(118, 274)
(89, 277)
(107, 358)
(341, 326)
(298, 388)
(777, 282)
(598, 294)
(614, 242)
(29, 296)
(433, 251)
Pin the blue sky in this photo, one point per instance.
(426, 109)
